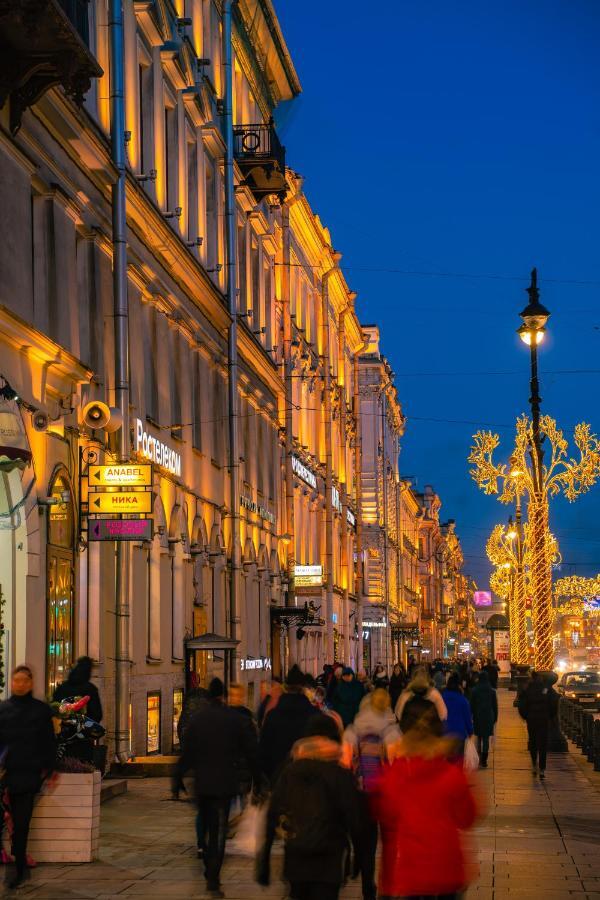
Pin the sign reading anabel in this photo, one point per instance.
(154, 449)
(129, 475)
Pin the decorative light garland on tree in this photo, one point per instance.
(568, 476)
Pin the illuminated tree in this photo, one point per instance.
(569, 476)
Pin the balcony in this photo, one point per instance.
(261, 158)
(43, 43)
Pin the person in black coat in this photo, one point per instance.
(316, 805)
(397, 683)
(29, 747)
(78, 684)
(538, 703)
(216, 739)
(284, 725)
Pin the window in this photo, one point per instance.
(197, 402)
(192, 188)
(146, 120)
(242, 279)
(211, 214)
(60, 587)
(151, 363)
(257, 320)
(176, 417)
(177, 710)
(217, 416)
(171, 148)
(153, 723)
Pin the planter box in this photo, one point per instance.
(66, 823)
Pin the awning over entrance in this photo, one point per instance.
(211, 641)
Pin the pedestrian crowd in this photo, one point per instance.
(332, 766)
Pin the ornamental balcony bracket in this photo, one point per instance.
(261, 158)
(43, 43)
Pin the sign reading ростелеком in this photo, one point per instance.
(156, 450)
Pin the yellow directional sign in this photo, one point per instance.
(125, 502)
(129, 475)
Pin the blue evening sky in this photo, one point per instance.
(463, 137)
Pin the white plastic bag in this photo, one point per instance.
(250, 832)
(471, 758)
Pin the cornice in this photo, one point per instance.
(23, 337)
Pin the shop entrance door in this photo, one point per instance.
(59, 616)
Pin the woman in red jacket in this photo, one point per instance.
(422, 802)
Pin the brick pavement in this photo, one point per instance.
(537, 841)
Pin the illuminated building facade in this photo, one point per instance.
(55, 184)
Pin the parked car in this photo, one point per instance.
(581, 687)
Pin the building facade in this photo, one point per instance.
(280, 529)
(56, 329)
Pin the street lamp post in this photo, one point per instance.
(532, 332)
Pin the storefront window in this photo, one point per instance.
(153, 723)
(177, 708)
(60, 584)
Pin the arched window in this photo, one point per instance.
(60, 582)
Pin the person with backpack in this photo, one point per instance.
(423, 802)
(421, 686)
(538, 703)
(484, 706)
(315, 804)
(367, 744)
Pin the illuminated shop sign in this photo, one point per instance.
(308, 576)
(304, 473)
(351, 518)
(251, 505)
(155, 450)
(249, 665)
(374, 624)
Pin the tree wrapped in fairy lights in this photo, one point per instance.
(528, 476)
(508, 550)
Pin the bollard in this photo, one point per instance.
(578, 725)
(597, 745)
(585, 742)
(590, 741)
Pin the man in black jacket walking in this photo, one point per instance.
(538, 704)
(284, 725)
(29, 747)
(216, 740)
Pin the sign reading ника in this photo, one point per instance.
(123, 503)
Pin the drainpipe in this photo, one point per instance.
(344, 528)
(325, 323)
(359, 586)
(121, 338)
(232, 349)
(290, 526)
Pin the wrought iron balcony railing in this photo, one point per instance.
(261, 156)
(43, 43)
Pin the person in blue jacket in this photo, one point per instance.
(459, 723)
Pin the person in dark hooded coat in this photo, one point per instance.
(78, 684)
(484, 705)
(347, 696)
(315, 806)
